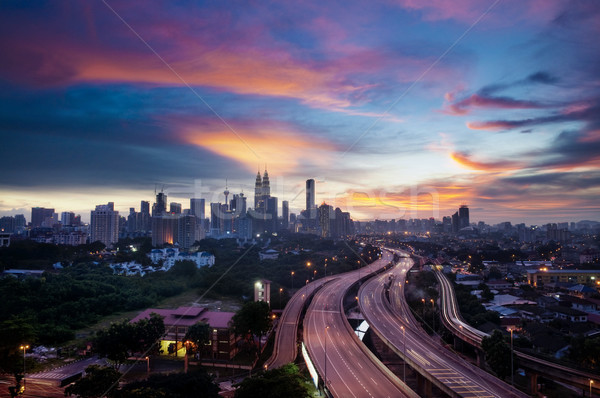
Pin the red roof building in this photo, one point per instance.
(177, 321)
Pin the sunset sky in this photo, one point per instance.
(398, 109)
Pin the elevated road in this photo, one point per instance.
(347, 366)
(394, 323)
(452, 319)
(285, 348)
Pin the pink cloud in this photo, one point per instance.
(462, 107)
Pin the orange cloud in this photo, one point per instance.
(278, 145)
(465, 161)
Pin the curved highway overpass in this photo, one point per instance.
(383, 305)
(343, 361)
(452, 319)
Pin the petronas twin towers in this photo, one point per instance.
(262, 191)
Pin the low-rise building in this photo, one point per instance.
(585, 277)
(223, 344)
(171, 255)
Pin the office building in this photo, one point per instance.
(160, 206)
(104, 224)
(285, 214)
(197, 208)
(175, 208)
(39, 215)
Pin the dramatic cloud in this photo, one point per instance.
(112, 98)
(462, 107)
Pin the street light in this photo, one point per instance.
(280, 291)
(293, 280)
(147, 367)
(591, 382)
(24, 348)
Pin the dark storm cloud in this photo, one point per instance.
(539, 77)
(568, 180)
(88, 136)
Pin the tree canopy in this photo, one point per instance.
(121, 340)
(194, 384)
(99, 381)
(497, 354)
(285, 381)
(253, 319)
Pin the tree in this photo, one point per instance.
(122, 340)
(253, 319)
(199, 335)
(193, 384)
(99, 381)
(497, 354)
(585, 351)
(281, 382)
(147, 333)
(114, 342)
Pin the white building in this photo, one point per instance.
(104, 224)
(172, 255)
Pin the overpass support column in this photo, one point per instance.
(423, 386)
(480, 357)
(533, 383)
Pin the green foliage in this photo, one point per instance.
(176, 385)
(585, 351)
(497, 354)
(282, 382)
(61, 302)
(98, 382)
(253, 319)
(121, 340)
(199, 335)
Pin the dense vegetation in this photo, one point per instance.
(282, 382)
(103, 381)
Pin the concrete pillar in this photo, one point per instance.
(480, 357)
(424, 386)
(533, 383)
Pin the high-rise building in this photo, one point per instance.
(285, 214)
(238, 205)
(463, 216)
(262, 191)
(20, 221)
(7, 224)
(326, 214)
(39, 215)
(310, 195)
(197, 208)
(104, 224)
(67, 218)
(271, 216)
(175, 208)
(160, 206)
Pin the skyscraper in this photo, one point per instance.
(39, 214)
(160, 206)
(310, 195)
(285, 214)
(197, 208)
(175, 208)
(104, 224)
(66, 218)
(463, 216)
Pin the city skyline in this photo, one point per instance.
(396, 110)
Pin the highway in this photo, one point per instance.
(349, 368)
(285, 348)
(395, 325)
(452, 319)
